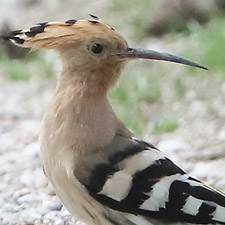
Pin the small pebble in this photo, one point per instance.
(32, 150)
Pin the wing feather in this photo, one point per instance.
(143, 182)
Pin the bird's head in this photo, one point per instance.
(89, 49)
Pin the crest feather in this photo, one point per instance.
(55, 35)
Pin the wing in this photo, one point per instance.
(136, 178)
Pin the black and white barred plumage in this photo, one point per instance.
(137, 179)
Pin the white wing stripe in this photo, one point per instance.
(192, 206)
(118, 186)
(140, 161)
(219, 214)
(160, 193)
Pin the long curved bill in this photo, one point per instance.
(133, 53)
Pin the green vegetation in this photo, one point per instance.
(17, 72)
(166, 124)
(211, 41)
(137, 86)
(33, 66)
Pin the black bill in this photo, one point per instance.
(133, 53)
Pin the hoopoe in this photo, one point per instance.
(100, 171)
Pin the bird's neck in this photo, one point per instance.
(82, 88)
(89, 81)
(79, 117)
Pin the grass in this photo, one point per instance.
(33, 66)
(166, 124)
(136, 87)
(138, 84)
(213, 39)
(211, 44)
(17, 72)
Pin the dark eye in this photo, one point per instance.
(97, 48)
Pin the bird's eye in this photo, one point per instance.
(97, 48)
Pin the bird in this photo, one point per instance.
(101, 172)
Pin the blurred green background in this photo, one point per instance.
(151, 97)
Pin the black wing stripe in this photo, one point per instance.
(113, 204)
(202, 193)
(205, 212)
(136, 195)
(177, 198)
(144, 181)
(99, 176)
(103, 171)
(160, 168)
(180, 191)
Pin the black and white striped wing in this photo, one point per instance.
(141, 181)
